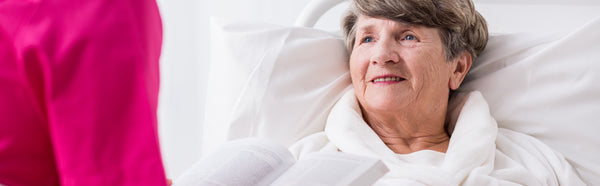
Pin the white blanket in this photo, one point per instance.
(479, 152)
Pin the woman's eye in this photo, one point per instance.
(409, 40)
(367, 40)
(410, 37)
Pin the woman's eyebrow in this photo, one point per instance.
(365, 29)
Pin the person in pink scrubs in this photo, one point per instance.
(78, 92)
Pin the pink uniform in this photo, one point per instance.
(78, 92)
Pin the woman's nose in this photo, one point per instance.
(385, 52)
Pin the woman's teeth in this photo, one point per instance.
(388, 79)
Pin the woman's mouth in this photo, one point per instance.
(387, 79)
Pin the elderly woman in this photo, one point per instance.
(407, 57)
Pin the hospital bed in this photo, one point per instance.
(540, 74)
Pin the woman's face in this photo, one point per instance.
(396, 66)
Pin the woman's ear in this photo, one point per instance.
(460, 68)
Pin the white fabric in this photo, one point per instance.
(271, 81)
(546, 86)
(479, 152)
(280, 83)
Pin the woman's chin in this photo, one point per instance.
(384, 103)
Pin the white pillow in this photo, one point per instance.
(271, 81)
(547, 86)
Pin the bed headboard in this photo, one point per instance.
(314, 10)
(503, 16)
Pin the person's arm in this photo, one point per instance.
(99, 60)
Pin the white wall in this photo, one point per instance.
(537, 17)
(184, 63)
(181, 92)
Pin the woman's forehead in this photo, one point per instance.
(366, 23)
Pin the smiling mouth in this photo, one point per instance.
(387, 79)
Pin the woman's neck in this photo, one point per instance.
(405, 135)
(400, 145)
